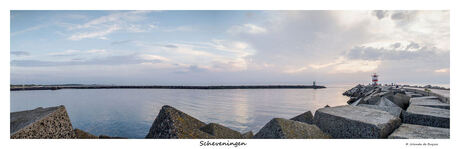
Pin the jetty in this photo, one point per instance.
(57, 87)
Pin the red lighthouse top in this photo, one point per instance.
(375, 78)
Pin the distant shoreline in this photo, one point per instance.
(57, 87)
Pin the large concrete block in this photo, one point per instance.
(306, 117)
(355, 122)
(400, 99)
(396, 111)
(426, 97)
(429, 102)
(41, 123)
(410, 131)
(427, 116)
(279, 128)
(221, 132)
(172, 123)
(384, 102)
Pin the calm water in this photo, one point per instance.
(130, 112)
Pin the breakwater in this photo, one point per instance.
(56, 87)
(372, 112)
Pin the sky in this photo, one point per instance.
(229, 47)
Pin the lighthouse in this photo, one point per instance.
(375, 79)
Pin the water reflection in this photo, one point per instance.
(130, 112)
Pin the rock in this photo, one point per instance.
(371, 100)
(279, 128)
(429, 102)
(80, 134)
(427, 116)
(41, 123)
(409, 131)
(172, 123)
(355, 122)
(396, 111)
(400, 99)
(384, 102)
(306, 117)
(221, 132)
(248, 135)
(327, 106)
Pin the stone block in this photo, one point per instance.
(279, 128)
(410, 131)
(396, 111)
(221, 132)
(429, 102)
(427, 116)
(41, 123)
(306, 117)
(355, 122)
(172, 123)
(400, 99)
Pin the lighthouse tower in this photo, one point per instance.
(375, 79)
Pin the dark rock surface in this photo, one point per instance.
(41, 123)
(221, 132)
(172, 123)
(306, 117)
(409, 131)
(279, 128)
(355, 122)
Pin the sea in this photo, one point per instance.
(131, 112)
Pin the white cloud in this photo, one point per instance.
(246, 28)
(295, 70)
(95, 34)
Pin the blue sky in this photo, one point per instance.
(229, 47)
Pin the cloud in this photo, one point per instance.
(68, 53)
(108, 60)
(95, 34)
(246, 28)
(105, 25)
(33, 28)
(411, 51)
(19, 53)
(380, 14)
(170, 46)
(120, 42)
